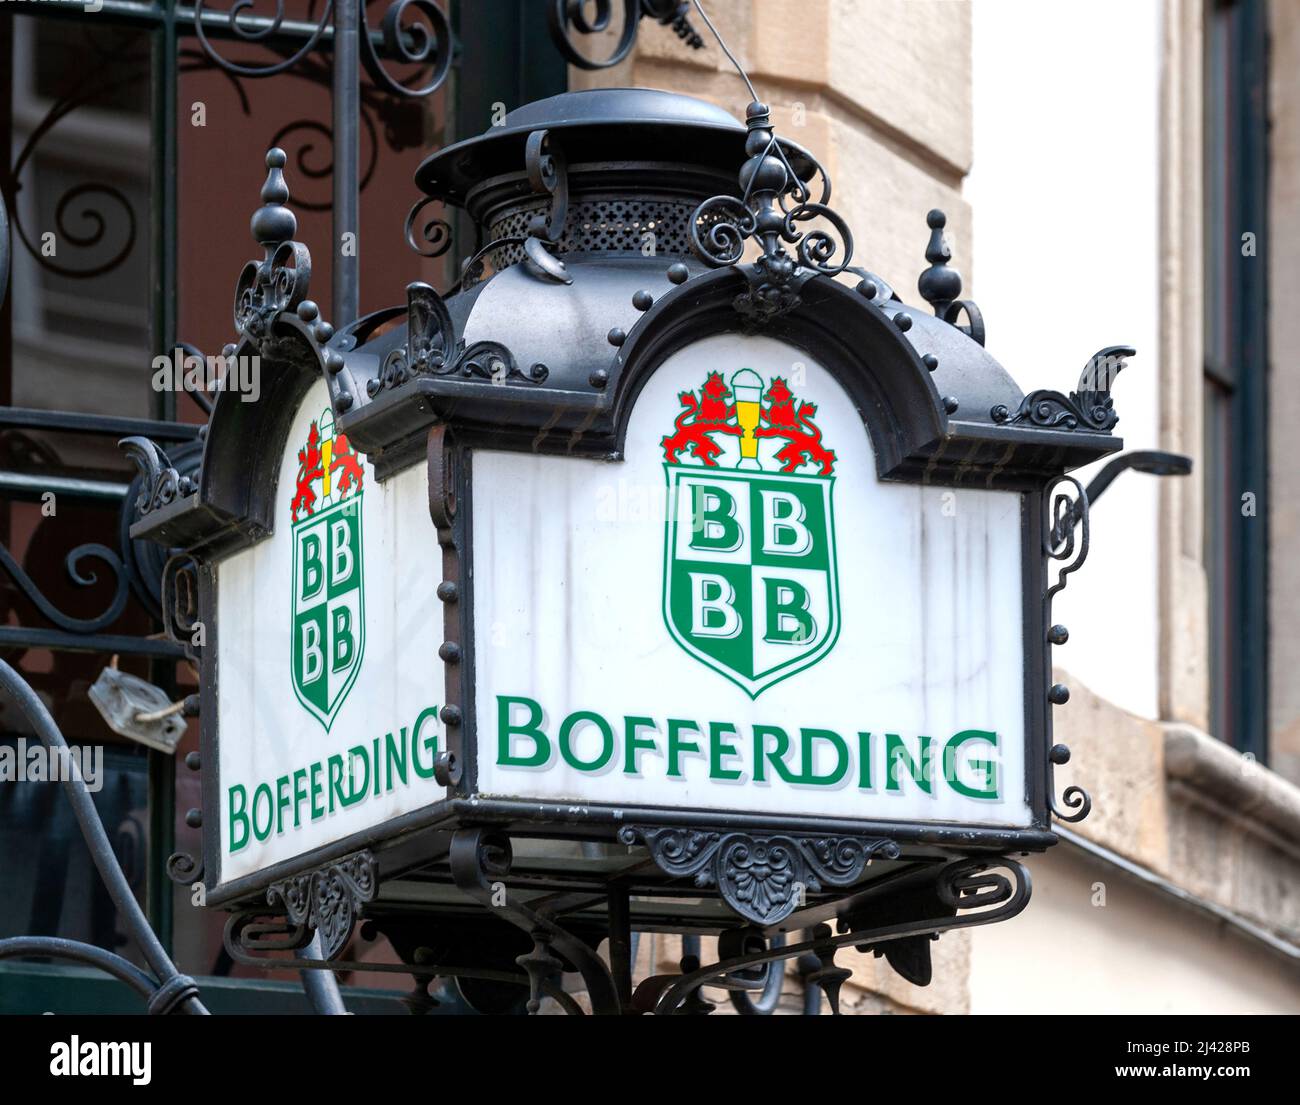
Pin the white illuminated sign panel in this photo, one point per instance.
(740, 616)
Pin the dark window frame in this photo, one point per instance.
(1236, 370)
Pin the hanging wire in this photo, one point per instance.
(730, 56)
(802, 192)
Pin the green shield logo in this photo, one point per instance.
(329, 624)
(750, 582)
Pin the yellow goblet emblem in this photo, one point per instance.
(326, 453)
(747, 389)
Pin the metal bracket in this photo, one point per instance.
(763, 878)
(328, 900)
(480, 862)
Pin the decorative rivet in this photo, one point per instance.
(308, 311)
(950, 404)
(643, 300)
(903, 321)
(333, 360)
(194, 819)
(598, 378)
(1060, 754)
(1058, 635)
(448, 591)
(930, 361)
(343, 402)
(868, 288)
(450, 715)
(192, 761)
(616, 336)
(1059, 695)
(372, 387)
(323, 331)
(449, 652)
(678, 273)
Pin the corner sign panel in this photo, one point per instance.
(327, 656)
(741, 617)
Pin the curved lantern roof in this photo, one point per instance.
(562, 311)
(605, 125)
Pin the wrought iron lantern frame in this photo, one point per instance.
(408, 389)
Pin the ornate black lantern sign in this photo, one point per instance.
(666, 574)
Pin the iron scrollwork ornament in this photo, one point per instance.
(1066, 514)
(1089, 407)
(160, 483)
(548, 173)
(774, 204)
(256, 32)
(565, 17)
(426, 43)
(410, 43)
(73, 562)
(183, 869)
(435, 233)
(763, 878)
(434, 349)
(329, 899)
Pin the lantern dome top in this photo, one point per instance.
(601, 125)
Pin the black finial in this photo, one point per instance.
(273, 223)
(939, 285)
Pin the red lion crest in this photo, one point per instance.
(310, 469)
(711, 412)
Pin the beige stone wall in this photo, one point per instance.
(1093, 941)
